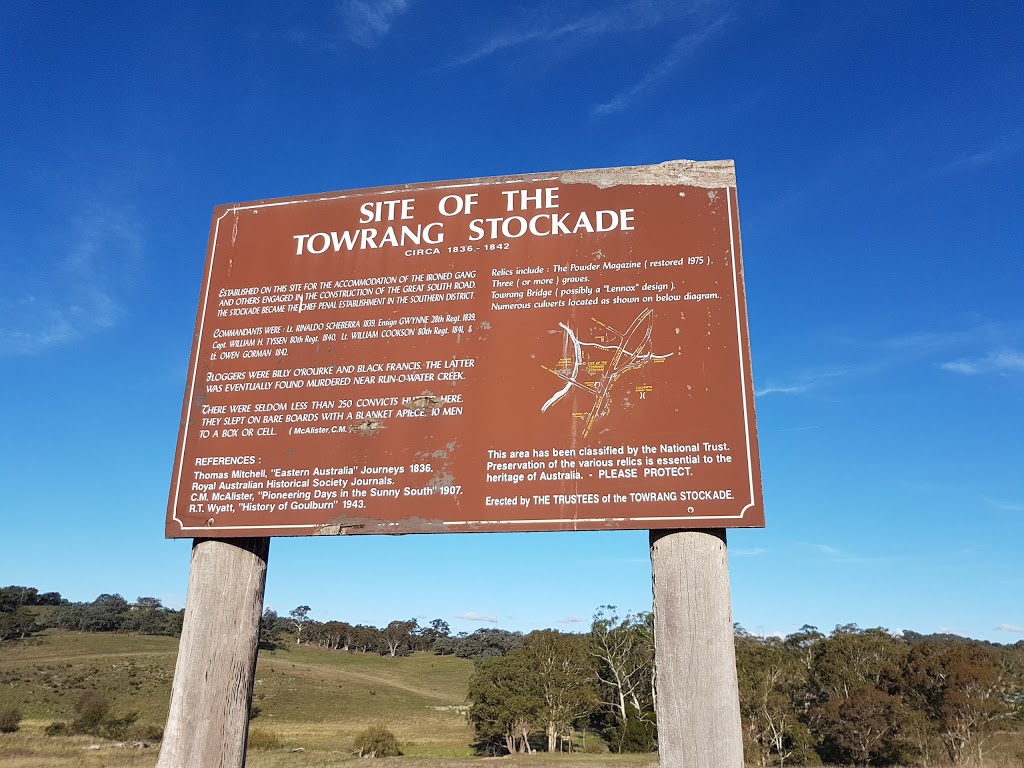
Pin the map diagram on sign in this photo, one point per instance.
(597, 370)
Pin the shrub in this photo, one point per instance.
(143, 732)
(116, 728)
(377, 741)
(58, 728)
(10, 719)
(264, 741)
(635, 736)
(92, 711)
(592, 746)
(94, 719)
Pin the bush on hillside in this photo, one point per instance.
(144, 732)
(94, 719)
(92, 709)
(10, 720)
(264, 741)
(377, 741)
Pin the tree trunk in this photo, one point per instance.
(527, 748)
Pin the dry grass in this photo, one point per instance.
(319, 700)
(29, 748)
(308, 699)
(45, 676)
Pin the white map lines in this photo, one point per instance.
(631, 351)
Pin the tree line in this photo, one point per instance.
(17, 619)
(851, 696)
(554, 688)
(398, 638)
(25, 611)
(869, 697)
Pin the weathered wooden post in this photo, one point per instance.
(697, 697)
(208, 721)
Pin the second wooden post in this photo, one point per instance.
(697, 698)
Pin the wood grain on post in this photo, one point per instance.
(695, 657)
(208, 721)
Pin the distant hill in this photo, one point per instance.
(306, 697)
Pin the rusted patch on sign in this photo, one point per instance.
(350, 526)
(425, 401)
(368, 427)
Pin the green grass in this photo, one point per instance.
(45, 676)
(319, 699)
(307, 698)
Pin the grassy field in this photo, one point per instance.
(309, 703)
(304, 697)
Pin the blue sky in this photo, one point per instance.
(879, 150)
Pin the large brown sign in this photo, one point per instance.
(563, 351)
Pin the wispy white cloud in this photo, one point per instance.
(925, 342)
(683, 49)
(474, 616)
(570, 620)
(805, 382)
(983, 348)
(861, 560)
(837, 556)
(825, 549)
(1005, 506)
(513, 37)
(996, 150)
(1010, 628)
(998, 361)
(367, 22)
(541, 28)
(81, 291)
(702, 19)
(751, 552)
